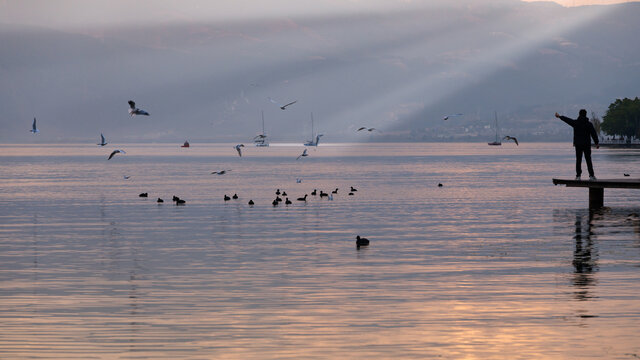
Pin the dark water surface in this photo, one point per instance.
(496, 263)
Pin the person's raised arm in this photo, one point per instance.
(566, 119)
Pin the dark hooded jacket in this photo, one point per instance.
(582, 130)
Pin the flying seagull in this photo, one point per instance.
(283, 107)
(317, 140)
(133, 110)
(101, 143)
(237, 147)
(366, 128)
(449, 116)
(510, 138)
(114, 152)
(221, 172)
(34, 129)
(304, 153)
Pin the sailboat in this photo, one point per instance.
(314, 140)
(496, 142)
(260, 140)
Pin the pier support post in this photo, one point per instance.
(596, 198)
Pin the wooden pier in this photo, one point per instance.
(596, 187)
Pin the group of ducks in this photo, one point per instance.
(176, 199)
(360, 241)
(286, 200)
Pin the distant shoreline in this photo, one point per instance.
(621, 146)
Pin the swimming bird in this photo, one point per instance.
(275, 202)
(304, 153)
(175, 198)
(235, 196)
(133, 110)
(361, 241)
(440, 185)
(159, 200)
(277, 191)
(314, 192)
(626, 174)
(278, 199)
(450, 116)
(303, 198)
(102, 142)
(353, 189)
(284, 193)
(366, 128)
(226, 197)
(221, 172)
(34, 129)
(335, 191)
(350, 194)
(287, 201)
(510, 138)
(180, 202)
(237, 147)
(143, 195)
(250, 202)
(283, 107)
(323, 194)
(114, 152)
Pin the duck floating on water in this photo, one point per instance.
(361, 241)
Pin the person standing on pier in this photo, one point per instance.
(583, 132)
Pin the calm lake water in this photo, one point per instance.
(496, 263)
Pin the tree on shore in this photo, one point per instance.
(622, 118)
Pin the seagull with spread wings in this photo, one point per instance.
(304, 154)
(237, 147)
(366, 128)
(510, 138)
(114, 152)
(102, 141)
(450, 116)
(34, 129)
(283, 107)
(133, 110)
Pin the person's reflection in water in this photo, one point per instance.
(584, 257)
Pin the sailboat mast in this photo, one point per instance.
(311, 126)
(496, 114)
(262, 111)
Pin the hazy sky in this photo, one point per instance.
(205, 70)
(587, 2)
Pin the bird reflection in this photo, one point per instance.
(584, 257)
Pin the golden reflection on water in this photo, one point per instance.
(497, 263)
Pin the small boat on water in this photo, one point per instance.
(186, 144)
(496, 142)
(260, 140)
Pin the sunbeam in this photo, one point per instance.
(434, 87)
